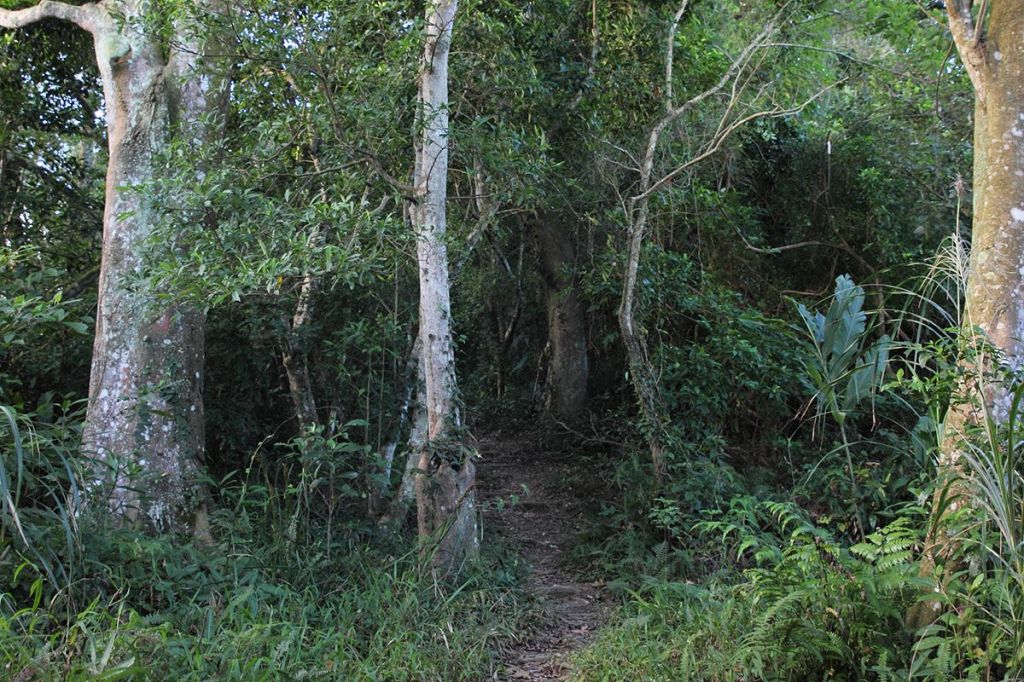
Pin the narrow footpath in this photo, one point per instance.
(542, 524)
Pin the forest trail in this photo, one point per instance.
(542, 523)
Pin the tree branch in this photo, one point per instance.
(82, 15)
(723, 133)
(967, 36)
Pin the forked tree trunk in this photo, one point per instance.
(642, 372)
(569, 368)
(993, 54)
(445, 487)
(144, 422)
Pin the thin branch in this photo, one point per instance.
(670, 49)
(775, 250)
(979, 23)
(487, 210)
(723, 134)
(674, 113)
(311, 174)
(404, 188)
(849, 57)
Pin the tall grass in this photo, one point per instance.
(39, 489)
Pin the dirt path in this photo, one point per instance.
(543, 524)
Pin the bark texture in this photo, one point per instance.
(144, 423)
(993, 54)
(569, 367)
(445, 487)
(995, 289)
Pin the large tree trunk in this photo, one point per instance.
(445, 488)
(994, 60)
(568, 369)
(144, 422)
(995, 290)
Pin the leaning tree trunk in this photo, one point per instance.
(445, 487)
(144, 422)
(994, 59)
(568, 369)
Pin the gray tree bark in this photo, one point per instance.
(144, 422)
(445, 486)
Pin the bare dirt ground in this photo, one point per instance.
(542, 524)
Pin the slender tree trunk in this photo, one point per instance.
(568, 367)
(144, 422)
(414, 414)
(641, 371)
(994, 59)
(412, 409)
(445, 488)
(294, 357)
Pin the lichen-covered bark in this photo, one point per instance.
(569, 368)
(445, 487)
(144, 424)
(995, 287)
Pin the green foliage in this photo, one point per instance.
(360, 615)
(842, 371)
(304, 192)
(979, 632)
(35, 317)
(39, 490)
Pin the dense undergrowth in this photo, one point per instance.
(277, 595)
(807, 570)
(784, 551)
